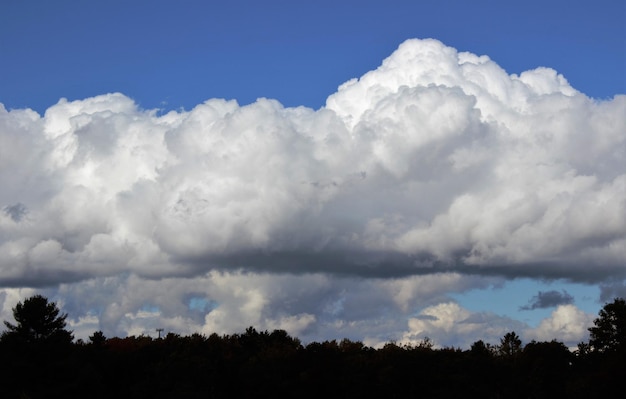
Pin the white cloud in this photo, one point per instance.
(435, 166)
(449, 324)
(567, 324)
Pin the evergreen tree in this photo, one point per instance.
(37, 320)
(510, 344)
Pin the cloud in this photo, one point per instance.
(437, 160)
(452, 325)
(567, 324)
(310, 306)
(15, 212)
(612, 290)
(449, 324)
(548, 299)
(434, 168)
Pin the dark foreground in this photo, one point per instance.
(274, 365)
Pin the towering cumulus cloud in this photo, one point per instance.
(438, 162)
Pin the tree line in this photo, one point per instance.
(42, 360)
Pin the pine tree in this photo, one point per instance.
(37, 320)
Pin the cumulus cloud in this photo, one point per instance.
(548, 299)
(438, 164)
(311, 306)
(449, 324)
(566, 323)
(452, 325)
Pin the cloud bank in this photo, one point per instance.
(438, 163)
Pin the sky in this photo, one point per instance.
(378, 172)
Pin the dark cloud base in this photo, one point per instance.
(382, 265)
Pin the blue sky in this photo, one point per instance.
(171, 55)
(342, 220)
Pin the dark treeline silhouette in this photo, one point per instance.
(39, 360)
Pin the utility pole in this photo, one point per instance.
(159, 330)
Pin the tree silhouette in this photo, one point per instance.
(481, 349)
(609, 331)
(257, 364)
(37, 320)
(97, 339)
(510, 344)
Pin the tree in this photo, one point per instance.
(510, 344)
(548, 357)
(37, 320)
(609, 331)
(481, 349)
(547, 369)
(97, 339)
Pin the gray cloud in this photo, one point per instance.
(16, 212)
(612, 290)
(548, 299)
(436, 167)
